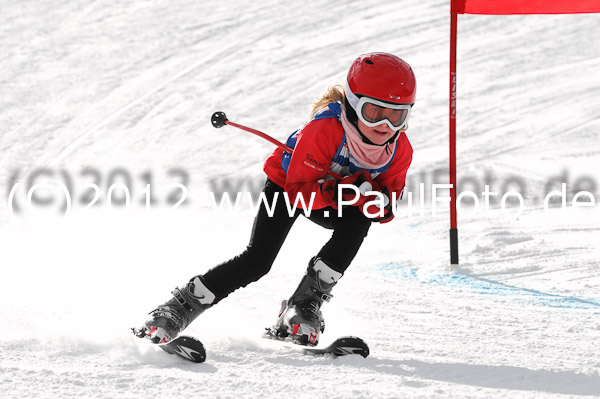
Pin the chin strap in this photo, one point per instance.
(394, 137)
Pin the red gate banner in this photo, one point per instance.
(505, 7)
(493, 7)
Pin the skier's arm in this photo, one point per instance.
(317, 144)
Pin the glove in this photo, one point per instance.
(388, 212)
(361, 180)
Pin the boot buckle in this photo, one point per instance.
(178, 296)
(326, 297)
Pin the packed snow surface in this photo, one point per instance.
(118, 94)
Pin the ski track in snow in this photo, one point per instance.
(91, 88)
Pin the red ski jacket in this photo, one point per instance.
(317, 145)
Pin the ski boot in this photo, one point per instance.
(300, 319)
(173, 316)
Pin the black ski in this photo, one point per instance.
(186, 347)
(342, 346)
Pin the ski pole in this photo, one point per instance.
(219, 119)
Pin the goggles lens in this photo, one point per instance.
(374, 113)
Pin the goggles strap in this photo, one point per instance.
(352, 98)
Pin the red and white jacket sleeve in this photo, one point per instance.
(317, 144)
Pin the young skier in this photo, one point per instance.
(355, 138)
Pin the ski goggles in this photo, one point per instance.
(373, 112)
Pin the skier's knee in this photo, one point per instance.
(258, 270)
(256, 264)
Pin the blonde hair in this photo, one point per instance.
(334, 93)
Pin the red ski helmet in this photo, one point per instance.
(381, 76)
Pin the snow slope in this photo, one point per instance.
(122, 92)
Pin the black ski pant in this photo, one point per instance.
(269, 233)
